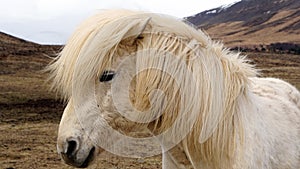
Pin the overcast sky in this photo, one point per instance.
(52, 21)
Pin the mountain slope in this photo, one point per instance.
(252, 23)
(10, 45)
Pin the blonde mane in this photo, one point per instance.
(218, 127)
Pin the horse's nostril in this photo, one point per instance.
(72, 146)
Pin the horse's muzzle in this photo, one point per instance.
(70, 154)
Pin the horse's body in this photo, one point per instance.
(157, 73)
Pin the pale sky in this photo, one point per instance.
(52, 21)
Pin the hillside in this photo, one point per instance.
(252, 23)
(10, 45)
(21, 65)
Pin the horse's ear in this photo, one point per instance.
(135, 32)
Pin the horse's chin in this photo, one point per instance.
(89, 158)
(79, 163)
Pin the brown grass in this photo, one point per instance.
(282, 66)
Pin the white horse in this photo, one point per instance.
(202, 106)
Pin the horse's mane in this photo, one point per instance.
(221, 77)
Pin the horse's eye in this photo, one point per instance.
(107, 75)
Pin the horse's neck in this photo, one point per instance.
(186, 155)
(176, 158)
(180, 157)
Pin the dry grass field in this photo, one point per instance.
(283, 66)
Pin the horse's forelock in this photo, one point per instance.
(62, 68)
